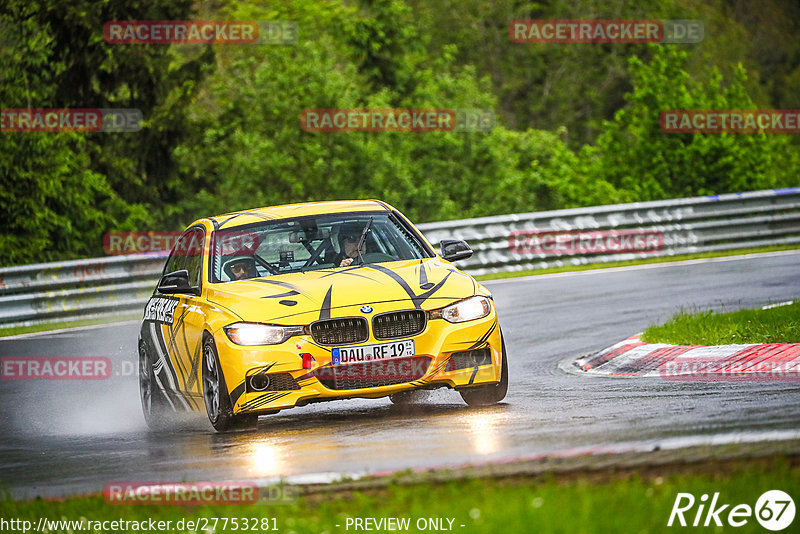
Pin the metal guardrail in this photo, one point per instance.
(117, 285)
(77, 289)
(685, 226)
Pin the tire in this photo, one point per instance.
(490, 393)
(412, 396)
(158, 414)
(216, 397)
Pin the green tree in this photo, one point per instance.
(52, 205)
(634, 154)
(247, 147)
(61, 191)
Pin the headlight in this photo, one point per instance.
(260, 334)
(466, 310)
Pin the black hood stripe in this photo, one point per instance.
(347, 270)
(415, 298)
(435, 288)
(286, 285)
(281, 295)
(423, 276)
(399, 279)
(325, 311)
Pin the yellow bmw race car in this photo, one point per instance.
(267, 309)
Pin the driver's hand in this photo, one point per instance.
(345, 262)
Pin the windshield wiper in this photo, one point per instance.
(363, 239)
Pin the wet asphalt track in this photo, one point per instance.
(71, 437)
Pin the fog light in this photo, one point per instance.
(259, 382)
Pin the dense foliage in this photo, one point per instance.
(577, 123)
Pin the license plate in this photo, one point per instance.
(371, 353)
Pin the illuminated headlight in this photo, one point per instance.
(260, 334)
(466, 310)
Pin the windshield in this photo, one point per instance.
(310, 243)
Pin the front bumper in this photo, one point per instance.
(292, 385)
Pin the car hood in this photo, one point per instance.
(301, 298)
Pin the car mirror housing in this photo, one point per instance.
(176, 283)
(455, 249)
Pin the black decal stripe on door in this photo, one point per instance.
(161, 353)
(194, 374)
(178, 326)
(166, 363)
(194, 356)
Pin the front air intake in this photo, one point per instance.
(373, 374)
(468, 359)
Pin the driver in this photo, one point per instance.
(241, 268)
(349, 235)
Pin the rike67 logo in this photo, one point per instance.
(774, 510)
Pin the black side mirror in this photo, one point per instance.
(455, 249)
(176, 283)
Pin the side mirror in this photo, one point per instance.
(176, 283)
(455, 249)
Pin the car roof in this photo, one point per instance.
(288, 211)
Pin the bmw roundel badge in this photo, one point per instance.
(366, 309)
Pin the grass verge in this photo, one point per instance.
(644, 261)
(591, 501)
(779, 324)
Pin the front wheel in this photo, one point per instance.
(490, 393)
(215, 394)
